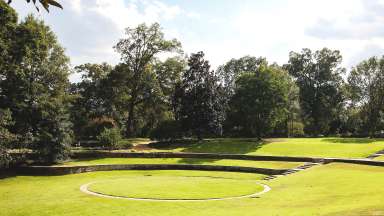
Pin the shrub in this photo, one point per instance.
(110, 138)
(296, 129)
(5, 137)
(166, 131)
(125, 144)
(97, 125)
(5, 158)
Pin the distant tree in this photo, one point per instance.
(167, 130)
(318, 76)
(6, 138)
(366, 85)
(92, 97)
(198, 99)
(261, 100)
(45, 3)
(234, 68)
(138, 50)
(168, 74)
(35, 89)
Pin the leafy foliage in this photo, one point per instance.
(199, 99)
(167, 130)
(366, 85)
(134, 77)
(110, 138)
(260, 101)
(92, 99)
(34, 87)
(45, 3)
(318, 76)
(5, 137)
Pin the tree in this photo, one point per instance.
(318, 76)
(234, 68)
(168, 74)
(35, 89)
(8, 22)
(45, 3)
(138, 50)
(92, 98)
(366, 85)
(261, 100)
(6, 138)
(198, 99)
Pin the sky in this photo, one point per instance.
(223, 29)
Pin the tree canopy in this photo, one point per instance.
(138, 50)
(45, 3)
(199, 98)
(318, 75)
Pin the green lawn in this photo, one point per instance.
(334, 189)
(381, 158)
(313, 147)
(245, 163)
(171, 187)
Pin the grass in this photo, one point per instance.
(334, 189)
(171, 187)
(261, 164)
(381, 158)
(311, 147)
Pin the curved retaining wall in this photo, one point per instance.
(78, 155)
(56, 170)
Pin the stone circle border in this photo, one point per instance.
(84, 189)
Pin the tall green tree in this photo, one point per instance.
(199, 99)
(261, 100)
(230, 71)
(92, 98)
(6, 138)
(35, 89)
(318, 75)
(138, 50)
(366, 85)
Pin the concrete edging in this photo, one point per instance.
(78, 155)
(84, 189)
(64, 170)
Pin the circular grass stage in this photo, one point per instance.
(175, 188)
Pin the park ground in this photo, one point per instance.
(330, 189)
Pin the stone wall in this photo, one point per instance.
(57, 170)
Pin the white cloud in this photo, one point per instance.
(90, 28)
(193, 15)
(125, 14)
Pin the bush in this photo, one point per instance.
(97, 125)
(5, 137)
(166, 131)
(110, 138)
(296, 129)
(125, 144)
(5, 158)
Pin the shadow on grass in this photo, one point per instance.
(350, 140)
(219, 146)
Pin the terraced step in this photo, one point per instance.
(291, 171)
(375, 155)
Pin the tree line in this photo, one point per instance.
(181, 96)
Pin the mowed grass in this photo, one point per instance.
(311, 147)
(179, 187)
(244, 163)
(333, 189)
(380, 158)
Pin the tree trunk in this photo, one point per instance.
(129, 131)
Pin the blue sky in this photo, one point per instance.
(223, 29)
